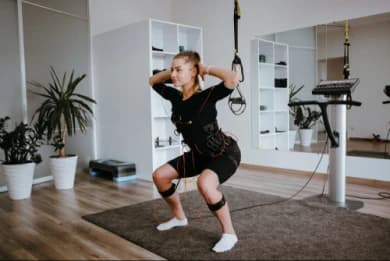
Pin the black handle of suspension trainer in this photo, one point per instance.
(385, 102)
(237, 62)
(334, 143)
(238, 100)
(241, 99)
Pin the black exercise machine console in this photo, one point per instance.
(339, 87)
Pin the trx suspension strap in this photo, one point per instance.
(346, 70)
(237, 66)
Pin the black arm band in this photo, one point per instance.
(168, 192)
(218, 205)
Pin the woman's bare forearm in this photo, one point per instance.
(160, 77)
(229, 77)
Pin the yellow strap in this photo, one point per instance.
(346, 30)
(238, 8)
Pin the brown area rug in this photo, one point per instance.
(293, 229)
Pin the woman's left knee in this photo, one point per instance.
(207, 183)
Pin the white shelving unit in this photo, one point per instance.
(130, 114)
(270, 112)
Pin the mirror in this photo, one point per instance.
(317, 53)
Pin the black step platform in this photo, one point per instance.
(116, 170)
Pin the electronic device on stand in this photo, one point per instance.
(339, 97)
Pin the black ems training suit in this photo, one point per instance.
(196, 119)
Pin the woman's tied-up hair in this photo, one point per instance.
(193, 58)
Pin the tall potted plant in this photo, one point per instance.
(62, 113)
(20, 147)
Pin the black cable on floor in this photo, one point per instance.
(381, 196)
(284, 199)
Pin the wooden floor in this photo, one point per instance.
(49, 224)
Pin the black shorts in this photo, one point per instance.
(192, 163)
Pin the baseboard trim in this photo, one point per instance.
(35, 181)
(351, 180)
(368, 139)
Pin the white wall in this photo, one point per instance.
(258, 18)
(50, 38)
(369, 61)
(10, 84)
(61, 41)
(107, 15)
(123, 115)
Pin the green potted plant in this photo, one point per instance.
(305, 118)
(20, 147)
(62, 113)
(293, 91)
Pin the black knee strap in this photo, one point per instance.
(168, 192)
(218, 205)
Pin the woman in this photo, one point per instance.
(213, 156)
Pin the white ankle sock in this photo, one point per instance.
(173, 222)
(226, 243)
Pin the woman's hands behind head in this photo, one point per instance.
(202, 70)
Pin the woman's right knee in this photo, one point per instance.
(164, 174)
(163, 177)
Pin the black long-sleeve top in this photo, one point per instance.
(192, 114)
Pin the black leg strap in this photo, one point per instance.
(168, 192)
(218, 205)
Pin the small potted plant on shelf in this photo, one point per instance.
(293, 91)
(305, 118)
(62, 113)
(20, 147)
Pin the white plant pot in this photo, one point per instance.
(63, 171)
(19, 179)
(305, 136)
(292, 138)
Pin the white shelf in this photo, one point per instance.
(266, 64)
(162, 53)
(270, 86)
(163, 117)
(270, 134)
(171, 38)
(141, 113)
(281, 133)
(169, 147)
